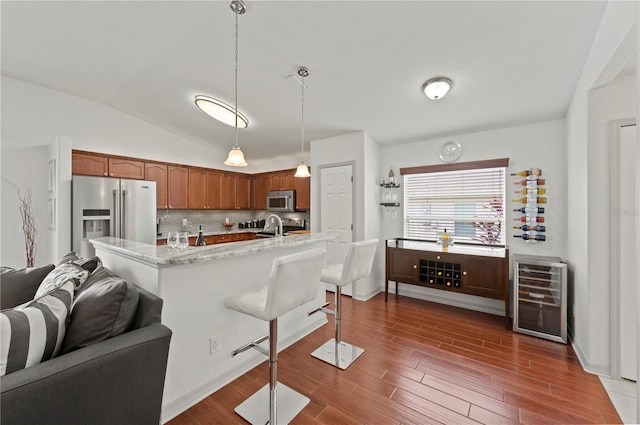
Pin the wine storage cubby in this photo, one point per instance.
(540, 297)
(441, 273)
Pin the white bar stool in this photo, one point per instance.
(294, 281)
(357, 264)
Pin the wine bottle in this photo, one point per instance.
(528, 237)
(530, 210)
(532, 191)
(531, 200)
(528, 172)
(444, 238)
(530, 219)
(528, 227)
(530, 183)
(200, 239)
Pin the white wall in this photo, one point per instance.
(615, 101)
(588, 156)
(535, 145)
(362, 151)
(26, 168)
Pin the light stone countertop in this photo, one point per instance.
(164, 255)
(481, 250)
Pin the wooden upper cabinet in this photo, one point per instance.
(282, 180)
(197, 188)
(260, 188)
(243, 192)
(275, 181)
(90, 164)
(236, 191)
(288, 181)
(303, 193)
(214, 190)
(178, 187)
(126, 168)
(158, 173)
(205, 189)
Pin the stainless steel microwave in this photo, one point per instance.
(281, 200)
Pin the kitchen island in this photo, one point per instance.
(193, 282)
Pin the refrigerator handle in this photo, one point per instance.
(123, 215)
(115, 215)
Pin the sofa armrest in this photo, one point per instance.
(116, 381)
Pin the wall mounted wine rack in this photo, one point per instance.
(532, 201)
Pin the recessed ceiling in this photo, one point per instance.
(511, 62)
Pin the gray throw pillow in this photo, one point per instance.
(33, 332)
(89, 264)
(17, 286)
(103, 309)
(60, 275)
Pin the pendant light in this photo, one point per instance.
(236, 157)
(302, 170)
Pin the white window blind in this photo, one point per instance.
(468, 203)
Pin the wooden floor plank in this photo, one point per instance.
(424, 363)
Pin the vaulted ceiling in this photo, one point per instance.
(511, 62)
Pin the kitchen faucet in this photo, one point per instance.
(279, 228)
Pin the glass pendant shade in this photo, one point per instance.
(302, 171)
(236, 158)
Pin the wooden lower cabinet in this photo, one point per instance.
(463, 272)
(219, 238)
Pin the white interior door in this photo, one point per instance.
(336, 212)
(627, 252)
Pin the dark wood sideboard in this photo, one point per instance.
(473, 270)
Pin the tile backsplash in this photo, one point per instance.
(212, 220)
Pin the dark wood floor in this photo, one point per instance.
(425, 363)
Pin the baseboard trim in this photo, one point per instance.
(198, 394)
(469, 302)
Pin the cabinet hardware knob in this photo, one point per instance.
(464, 273)
(437, 257)
(104, 174)
(415, 267)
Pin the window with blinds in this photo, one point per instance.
(468, 203)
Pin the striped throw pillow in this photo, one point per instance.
(33, 332)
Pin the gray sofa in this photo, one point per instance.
(119, 380)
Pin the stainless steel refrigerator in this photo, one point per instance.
(103, 206)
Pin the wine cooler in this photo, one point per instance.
(540, 297)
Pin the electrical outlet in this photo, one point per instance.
(214, 344)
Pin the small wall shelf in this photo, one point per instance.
(390, 194)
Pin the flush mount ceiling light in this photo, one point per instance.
(302, 170)
(236, 157)
(221, 111)
(437, 88)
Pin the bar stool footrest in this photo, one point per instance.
(255, 409)
(346, 353)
